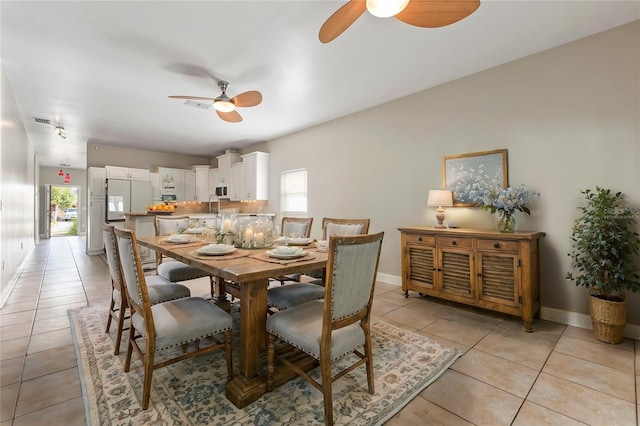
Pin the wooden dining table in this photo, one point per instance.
(250, 269)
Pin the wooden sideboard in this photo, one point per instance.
(483, 268)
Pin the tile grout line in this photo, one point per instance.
(33, 321)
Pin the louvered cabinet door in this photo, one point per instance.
(498, 280)
(418, 264)
(456, 273)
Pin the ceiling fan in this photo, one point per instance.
(226, 107)
(420, 13)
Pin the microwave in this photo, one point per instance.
(221, 191)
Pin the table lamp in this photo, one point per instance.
(440, 197)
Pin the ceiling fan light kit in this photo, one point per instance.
(386, 8)
(419, 13)
(223, 105)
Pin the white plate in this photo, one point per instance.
(271, 253)
(299, 241)
(179, 239)
(208, 251)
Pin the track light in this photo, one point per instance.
(60, 131)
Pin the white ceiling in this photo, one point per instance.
(103, 70)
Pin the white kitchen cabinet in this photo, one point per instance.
(95, 244)
(178, 182)
(255, 184)
(236, 184)
(213, 181)
(202, 183)
(224, 166)
(116, 172)
(156, 185)
(189, 179)
(97, 175)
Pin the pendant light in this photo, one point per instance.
(67, 178)
(60, 173)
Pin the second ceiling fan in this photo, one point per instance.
(420, 13)
(226, 107)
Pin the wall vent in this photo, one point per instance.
(42, 120)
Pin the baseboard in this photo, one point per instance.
(389, 279)
(574, 319)
(14, 278)
(577, 319)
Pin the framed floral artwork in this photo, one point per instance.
(468, 175)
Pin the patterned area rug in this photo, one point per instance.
(191, 392)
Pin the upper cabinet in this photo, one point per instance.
(255, 185)
(156, 185)
(97, 175)
(236, 187)
(224, 167)
(177, 182)
(202, 183)
(116, 172)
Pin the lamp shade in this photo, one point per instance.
(440, 197)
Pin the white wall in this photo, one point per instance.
(17, 191)
(569, 118)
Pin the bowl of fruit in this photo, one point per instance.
(161, 208)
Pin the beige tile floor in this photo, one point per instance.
(557, 375)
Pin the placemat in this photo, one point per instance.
(267, 258)
(236, 254)
(195, 243)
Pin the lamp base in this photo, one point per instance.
(440, 218)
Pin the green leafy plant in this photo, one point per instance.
(604, 248)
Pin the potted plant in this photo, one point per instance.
(604, 251)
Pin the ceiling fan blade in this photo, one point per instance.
(437, 13)
(231, 117)
(247, 99)
(195, 98)
(341, 20)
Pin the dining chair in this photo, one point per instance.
(335, 327)
(170, 269)
(160, 290)
(169, 324)
(294, 227)
(285, 297)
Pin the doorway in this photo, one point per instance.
(64, 209)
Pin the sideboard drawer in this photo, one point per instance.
(455, 242)
(427, 240)
(499, 245)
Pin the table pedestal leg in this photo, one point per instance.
(246, 385)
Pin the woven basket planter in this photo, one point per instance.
(608, 318)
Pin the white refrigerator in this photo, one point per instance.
(126, 196)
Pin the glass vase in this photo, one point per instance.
(506, 222)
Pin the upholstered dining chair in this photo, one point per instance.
(169, 324)
(294, 227)
(170, 269)
(337, 326)
(285, 297)
(159, 289)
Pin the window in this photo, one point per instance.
(293, 191)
